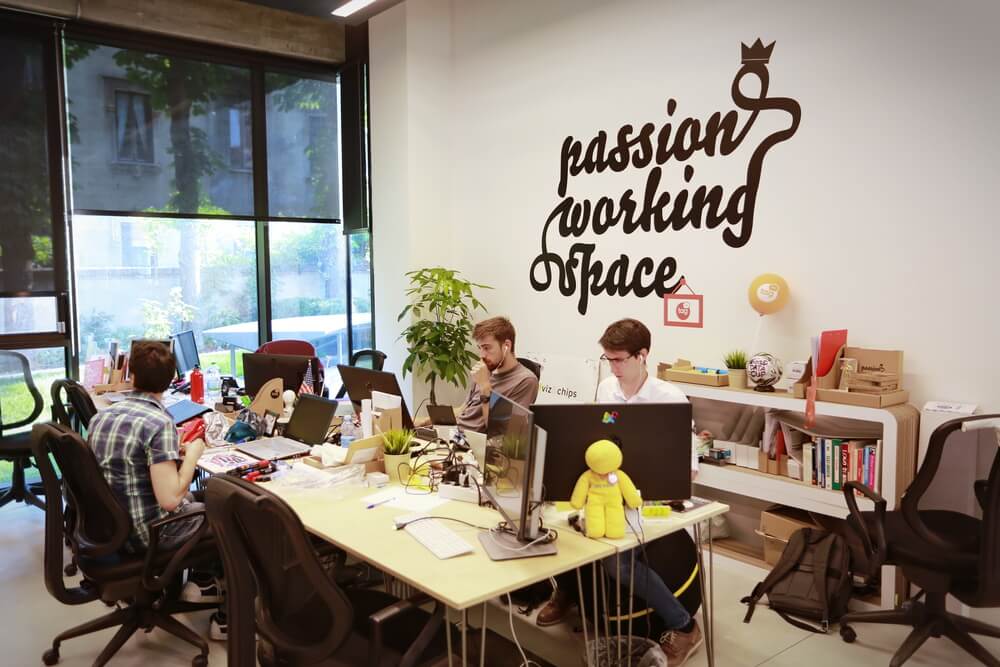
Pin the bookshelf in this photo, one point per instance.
(897, 426)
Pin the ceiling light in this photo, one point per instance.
(349, 8)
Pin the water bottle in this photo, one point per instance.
(213, 378)
(197, 385)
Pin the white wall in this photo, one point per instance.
(879, 211)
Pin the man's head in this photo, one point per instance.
(495, 339)
(152, 366)
(626, 346)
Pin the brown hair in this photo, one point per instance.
(152, 366)
(628, 335)
(498, 327)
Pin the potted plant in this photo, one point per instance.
(736, 362)
(396, 450)
(438, 341)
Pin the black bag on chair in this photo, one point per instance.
(811, 580)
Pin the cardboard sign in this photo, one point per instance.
(566, 379)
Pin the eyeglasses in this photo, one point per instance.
(616, 360)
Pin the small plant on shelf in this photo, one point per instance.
(397, 441)
(736, 360)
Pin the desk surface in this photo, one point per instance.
(467, 580)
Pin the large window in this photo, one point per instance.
(172, 199)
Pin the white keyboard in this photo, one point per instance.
(438, 538)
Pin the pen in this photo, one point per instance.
(377, 503)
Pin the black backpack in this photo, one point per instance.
(811, 580)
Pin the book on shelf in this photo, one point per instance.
(829, 463)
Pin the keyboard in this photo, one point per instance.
(440, 540)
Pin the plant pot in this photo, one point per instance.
(738, 378)
(396, 466)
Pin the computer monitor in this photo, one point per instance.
(655, 439)
(185, 352)
(291, 368)
(512, 480)
(311, 419)
(361, 381)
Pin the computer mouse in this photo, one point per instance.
(677, 505)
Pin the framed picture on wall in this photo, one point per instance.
(683, 310)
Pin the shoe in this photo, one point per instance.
(555, 610)
(218, 627)
(679, 646)
(202, 593)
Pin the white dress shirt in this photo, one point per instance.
(653, 390)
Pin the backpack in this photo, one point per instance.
(811, 580)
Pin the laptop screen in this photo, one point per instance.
(311, 419)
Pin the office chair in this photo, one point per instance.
(16, 447)
(295, 347)
(367, 358)
(302, 616)
(136, 583)
(940, 551)
(532, 366)
(77, 399)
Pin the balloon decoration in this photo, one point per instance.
(768, 293)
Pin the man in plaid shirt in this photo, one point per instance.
(138, 448)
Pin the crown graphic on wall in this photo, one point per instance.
(757, 52)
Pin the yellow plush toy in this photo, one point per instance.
(602, 489)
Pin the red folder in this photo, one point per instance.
(830, 343)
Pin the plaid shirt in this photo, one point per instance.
(127, 438)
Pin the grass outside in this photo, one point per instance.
(16, 404)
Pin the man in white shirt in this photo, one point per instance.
(626, 348)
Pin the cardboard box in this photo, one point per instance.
(683, 371)
(777, 525)
(869, 360)
(862, 399)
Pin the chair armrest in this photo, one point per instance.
(875, 550)
(158, 583)
(396, 608)
(982, 488)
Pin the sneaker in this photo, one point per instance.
(679, 646)
(555, 610)
(218, 627)
(202, 593)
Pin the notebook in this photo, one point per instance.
(181, 411)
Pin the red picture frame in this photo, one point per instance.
(684, 310)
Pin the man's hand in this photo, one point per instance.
(481, 376)
(195, 448)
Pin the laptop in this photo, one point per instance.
(308, 426)
(182, 411)
(442, 415)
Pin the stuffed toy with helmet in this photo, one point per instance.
(603, 490)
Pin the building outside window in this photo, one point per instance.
(133, 127)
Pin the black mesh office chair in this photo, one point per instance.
(137, 583)
(940, 551)
(71, 405)
(16, 447)
(532, 366)
(302, 616)
(366, 358)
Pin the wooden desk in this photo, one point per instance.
(472, 579)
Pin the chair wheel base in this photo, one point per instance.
(848, 634)
(51, 656)
(199, 661)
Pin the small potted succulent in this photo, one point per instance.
(396, 449)
(736, 362)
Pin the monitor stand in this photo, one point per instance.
(501, 545)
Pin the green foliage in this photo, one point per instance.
(162, 319)
(438, 341)
(397, 441)
(42, 245)
(736, 360)
(301, 306)
(514, 446)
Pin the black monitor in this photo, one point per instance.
(360, 382)
(311, 419)
(655, 439)
(185, 352)
(291, 368)
(512, 480)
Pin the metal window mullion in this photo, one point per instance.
(258, 119)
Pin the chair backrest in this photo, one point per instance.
(100, 525)
(367, 358)
(301, 348)
(988, 576)
(532, 366)
(78, 398)
(21, 362)
(299, 608)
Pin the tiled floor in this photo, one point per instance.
(30, 617)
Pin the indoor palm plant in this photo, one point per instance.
(396, 450)
(736, 362)
(438, 340)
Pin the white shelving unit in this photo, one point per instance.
(898, 466)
